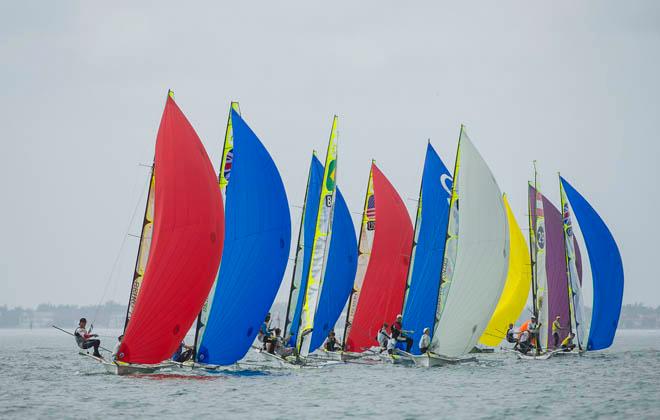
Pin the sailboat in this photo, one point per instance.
(516, 288)
(326, 257)
(425, 269)
(383, 257)
(257, 241)
(551, 270)
(475, 260)
(184, 212)
(606, 270)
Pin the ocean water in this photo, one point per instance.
(42, 375)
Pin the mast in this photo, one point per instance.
(298, 249)
(418, 216)
(347, 325)
(223, 180)
(454, 185)
(138, 272)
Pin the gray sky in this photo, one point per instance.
(571, 84)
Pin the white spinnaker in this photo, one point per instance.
(482, 257)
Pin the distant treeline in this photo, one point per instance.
(112, 315)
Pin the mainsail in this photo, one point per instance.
(575, 307)
(223, 177)
(538, 241)
(478, 236)
(303, 251)
(516, 288)
(382, 265)
(320, 248)
(143, 248)
(557, 292)
(606, 270)
(258, 236)
(428, 246)
(186, 246)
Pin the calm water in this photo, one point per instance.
(41, 375)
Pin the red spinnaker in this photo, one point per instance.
(381, 298)
(186, 247)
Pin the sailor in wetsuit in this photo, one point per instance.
(86, 340)
(331, 343)
(383, 337)
(398, 333)
(567, 343)
(265, 332)
(183, 353)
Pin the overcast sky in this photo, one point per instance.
(573, 85)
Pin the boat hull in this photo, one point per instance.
(122, 369)
(542, 356)
(434, 360)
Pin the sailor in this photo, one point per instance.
(264, 332)
(556, 327)
(278, 345)
(534, 328)
(391, 345)
(86, 340)
(523, 344)
(511, 334)
(425, 341)
(399, 334)
(183, 353)
(383, 337)
(567, 343)
(331, 343)
(116, 349)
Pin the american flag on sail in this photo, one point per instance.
(228, 164)
(539, 204)
(371, 207)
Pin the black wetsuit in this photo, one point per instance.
(399, 336)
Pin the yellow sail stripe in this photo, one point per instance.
(228, 146)
(516, 288)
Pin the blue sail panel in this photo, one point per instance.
(309, 227)
(606, 270)
(422, 295)
(339, 273)
(256, 252)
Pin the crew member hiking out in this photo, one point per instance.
(399, 334)
(511, 334)
(86, 340)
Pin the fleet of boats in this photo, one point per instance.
(214, 249)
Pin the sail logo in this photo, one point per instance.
(330, 182)
(229, 162)
(567, 220)
(446, 181)
(328, 200)
(540, 237)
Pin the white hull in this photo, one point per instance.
(121, 368)
(532, 356)
(434, 360)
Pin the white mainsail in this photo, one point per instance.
(478, 234)
(539, 267)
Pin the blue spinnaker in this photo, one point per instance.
(339, 273)
(257, 240)
(606, 270)
(309, 227)
(422, 294)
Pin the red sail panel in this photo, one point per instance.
(381, 298)
(186, 247)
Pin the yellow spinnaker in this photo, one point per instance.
(516, 289)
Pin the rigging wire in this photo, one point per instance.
(121, 248)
